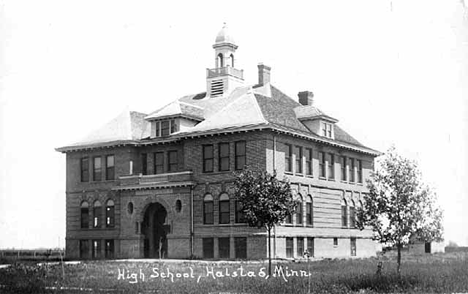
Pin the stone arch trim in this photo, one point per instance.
(151, 200)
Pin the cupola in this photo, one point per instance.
(224, 78)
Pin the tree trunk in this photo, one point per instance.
(269, 251)
(399, 258)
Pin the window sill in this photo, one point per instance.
(309, 176)
(226, 225)
(323, 178)
(331, 180)
(288, 173)
(299, 174)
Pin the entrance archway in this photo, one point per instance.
(155, 231)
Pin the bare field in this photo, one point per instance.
(420, 274)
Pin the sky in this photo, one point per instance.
(392, 72)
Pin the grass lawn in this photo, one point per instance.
(420, 274)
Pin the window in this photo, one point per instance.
(310, 246)
(353, 246)
(239, 212)
(110, 219)
(158, 128)
(309, 211)
(173, 126)
(208, 248)
(298, 154)
(343, 168)
(97, 169)
(130, 207)
(144, 163)
(327, 130)
(359, 171)
(308, 155)
(165, 127)
(288, 158)
(322, 164)
(344, 214)
(224, 212)
(207, 158)
(240, 247)
(109, 248)
(240, 153)
(300, 247)
(289, 219)
(352, 215)
(159, 162)
(84, 169)
(223, 247)
(208, 209)
(172, 163)
(84, 249)
(223, 156)
(335, 242)
(289, 247)
(351, 170)
(299, 210)
(331, 166)
(96, 248)
(110, 167)
(97, 214)
(84, 215)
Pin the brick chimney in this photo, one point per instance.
(306, 98)
(263, 74)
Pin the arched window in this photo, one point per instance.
(309, 211)
(110, 219)
(239, 212)
(220, 60)
(299, 210)
(97, 212)
(232, 60)
(84, 215)
(208, 209)
(224, 209)
(344, 214)
(352, 215)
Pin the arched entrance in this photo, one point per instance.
(155, 231)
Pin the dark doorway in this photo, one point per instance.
(155, 231)
(427, 247)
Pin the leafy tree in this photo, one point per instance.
(399, 205)
(452, 244)
(266, 200)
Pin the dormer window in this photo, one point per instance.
(164, 128)
(327, 129)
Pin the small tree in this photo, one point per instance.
(266, 200)
(399, 205)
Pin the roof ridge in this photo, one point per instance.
(257, 107)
